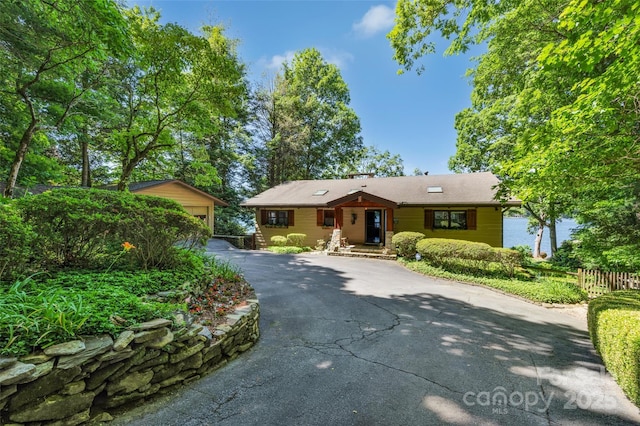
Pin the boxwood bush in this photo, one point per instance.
(509, 259)
(405, 243)
(435, 249)
(296, 240)
(614, 327)
(469, 257)
(279, 241)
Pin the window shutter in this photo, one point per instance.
(428, 219)
(319, 217)
(263, 217)
(472, 219)
(290, 215)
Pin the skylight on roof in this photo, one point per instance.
(353, 191)
(321, 192)
(434, 189)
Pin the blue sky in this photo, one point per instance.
(406, 114)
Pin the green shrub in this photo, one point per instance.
(16, 241)
(296, 240)
(436, 249)
(73, 225)
(524, 249)
(614, 327)
(405, 243)
(87, 227)
(155, 225)
(566, 256)
(279, 241)
(469, 257)
(508, 258)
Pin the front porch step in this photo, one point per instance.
(353, 253)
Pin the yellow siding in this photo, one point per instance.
(355, 233)
(305, 222)
(489, 225)
(193, 202)
(178, 193)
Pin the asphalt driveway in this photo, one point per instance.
(350, 341)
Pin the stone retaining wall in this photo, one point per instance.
(79, 382)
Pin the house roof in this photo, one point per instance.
(478, 189)
(139, 186)
(20, 191)
(133, 187)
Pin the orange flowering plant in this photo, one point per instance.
(126, 248)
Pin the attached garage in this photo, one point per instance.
(197, 202)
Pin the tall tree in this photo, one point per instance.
(303, 126)
(46, 47)
(278, 131)
(173, 77)
(501, 115)
(370, 159)
(321, 99)
(564, 131)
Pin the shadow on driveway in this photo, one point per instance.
(363, 342)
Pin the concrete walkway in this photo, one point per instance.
(366, 342)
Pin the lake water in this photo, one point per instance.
(515, 233)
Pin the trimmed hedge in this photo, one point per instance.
(435, 249)
(405, 243)
(614, 327)
(296, 240)
(479, 256)
(279, 241)
(509, 258)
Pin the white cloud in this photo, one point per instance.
(275, 62)
(378, 18)
(339, 58)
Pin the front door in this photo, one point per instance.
(373, 224)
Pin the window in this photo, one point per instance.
(276, 218)
(450, 219)
(326, 218)
(446, 219)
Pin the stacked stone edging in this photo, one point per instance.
(78, 382)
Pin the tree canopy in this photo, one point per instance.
(95, 93)
(554, 106)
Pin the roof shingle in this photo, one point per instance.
(457, 189)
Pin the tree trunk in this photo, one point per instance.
(19, 158)
(86, 170)
(125, 175)
(553, 237)
(538, 241)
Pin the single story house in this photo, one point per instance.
(369, 210)
(196, 202)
